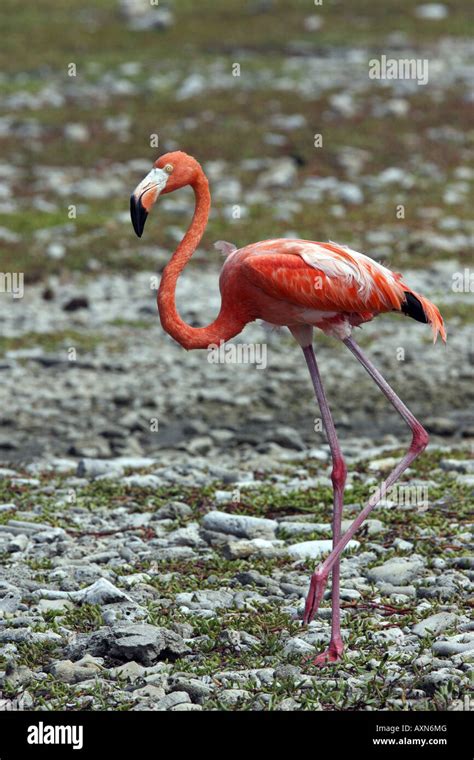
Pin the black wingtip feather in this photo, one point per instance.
(412, 308)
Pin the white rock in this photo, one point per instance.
(100, 592)
(130, 671)
(432, 11)
(150, 691)
(233, 696)
(315, 549)
(81, 670)
(297, 646)
(94, 468)
(390, 635)
(281, 174)
(223, 497)
(242, 526)
(141, 15)
(313, 23)
(76, 132)
(193, 85)
(403, 546)
(173, 699)
(434, 624)
(133, 463)
(350, 594)
(350, 193)
(383, 465)
(134, 579)
(255, 546)
(343, 103)
(142, 481)
(397, 571)
(292, 528)
(462, 642)
(288, 122)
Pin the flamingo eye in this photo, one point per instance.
(168, 168)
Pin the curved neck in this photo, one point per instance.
(226, 325)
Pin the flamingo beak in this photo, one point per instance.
(144, 196)
(138, 214)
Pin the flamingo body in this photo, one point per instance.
(325, 285)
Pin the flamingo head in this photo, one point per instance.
(170, 172)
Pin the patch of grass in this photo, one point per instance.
(133, 324)
(39, 563)
(52, 694)
(37, 655)
(51, 341)
(84, 618)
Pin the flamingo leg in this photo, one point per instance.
(338, 476)
(418, 444)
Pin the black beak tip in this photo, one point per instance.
(138, 215)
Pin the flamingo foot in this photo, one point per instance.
(315, 594)
(331, 655)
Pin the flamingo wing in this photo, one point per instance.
(323, 276)
(333, 278)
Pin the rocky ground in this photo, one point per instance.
(161, 514)
(178, 583)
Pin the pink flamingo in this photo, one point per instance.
(300, 284)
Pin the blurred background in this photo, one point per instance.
(88, 90)
(119, 450)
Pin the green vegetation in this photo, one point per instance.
(56, 341)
